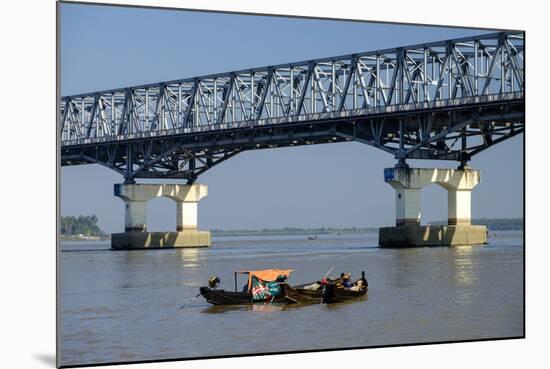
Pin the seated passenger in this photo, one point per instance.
(346, 281)
(339, 280)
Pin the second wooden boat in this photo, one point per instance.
(333, 291)
(336, 292)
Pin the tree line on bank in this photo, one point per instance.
(87, 225)
(495, 224)
(83, 224)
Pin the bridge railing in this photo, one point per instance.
(466, 70)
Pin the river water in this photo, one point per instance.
(125, 305)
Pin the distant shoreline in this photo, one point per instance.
(291, 232)
(64, 237)
(494, 224)
(501, 224)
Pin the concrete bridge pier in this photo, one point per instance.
(408, 231)
(135, 235)
(135, 216)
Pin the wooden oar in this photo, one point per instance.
(191, 300)
(329, 271)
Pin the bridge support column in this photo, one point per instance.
(459, 207)
(136, 196)
(135, 216)
(407, 206)
(187, 212)
(408, 183)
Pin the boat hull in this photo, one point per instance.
(300, 295)
(223, 297)
(330, 293)
(337, 293)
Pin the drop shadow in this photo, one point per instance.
(48, 359)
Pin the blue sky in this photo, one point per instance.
(323, 185)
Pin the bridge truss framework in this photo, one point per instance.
(447, 100)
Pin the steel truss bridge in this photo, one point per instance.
(446, 100)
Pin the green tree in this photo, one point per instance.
(83, 224)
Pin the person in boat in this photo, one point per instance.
(213, 282)
(281, 279)
(346, 281)
(340, 280)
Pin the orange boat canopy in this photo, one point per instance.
(268, 275)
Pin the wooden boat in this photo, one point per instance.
(251, 293)
(336, 292)
(332, 292)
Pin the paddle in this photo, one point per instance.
(191, 300)
(329, 271)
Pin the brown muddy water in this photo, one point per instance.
(125, 305)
